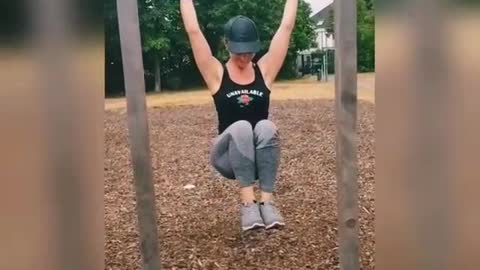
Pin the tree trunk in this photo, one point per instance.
(157, 74)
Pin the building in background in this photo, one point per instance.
(324, 40)
(319, 59)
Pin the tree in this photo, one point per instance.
(369, 4)
(365, 34)
(167, 54)
(157, 22)
(114, 83)
(214, 14)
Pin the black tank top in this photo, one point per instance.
(235, 102)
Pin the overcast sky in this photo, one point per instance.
(318, 4)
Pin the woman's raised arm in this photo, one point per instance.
(272, 61)
(209, 66)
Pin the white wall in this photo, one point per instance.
(324, 41)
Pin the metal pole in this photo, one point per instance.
(138, 131)
(346, 114)
(325, 64)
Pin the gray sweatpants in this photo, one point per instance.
(248, 154)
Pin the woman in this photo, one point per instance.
(247, 147)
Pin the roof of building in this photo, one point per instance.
(322, 15)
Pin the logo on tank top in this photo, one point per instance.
(244, 92)
(244, 100)
(244, 96)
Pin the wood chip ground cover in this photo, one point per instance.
(199, 227)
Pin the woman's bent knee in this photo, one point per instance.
(242, 125)
(266, 134)
(241, 131)
(265, 124)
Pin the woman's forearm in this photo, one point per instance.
(289, 14)
(189, 16)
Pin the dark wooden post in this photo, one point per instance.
(346, 114)
(138, 130)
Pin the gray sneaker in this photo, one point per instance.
(271, 216)
(251, 218)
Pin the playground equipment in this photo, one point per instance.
(345, 109)
(315, 63)
(129, 29)
(346, 117)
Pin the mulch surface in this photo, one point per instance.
(199, 228)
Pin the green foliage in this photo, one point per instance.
(157, 24)
(365, 34)
(114, 83)
(163, 35)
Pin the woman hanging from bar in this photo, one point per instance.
(247, 147)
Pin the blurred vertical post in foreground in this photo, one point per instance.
(67, 109)
(129, 29)
(51, 107)
(346, 115)
(427, 130)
